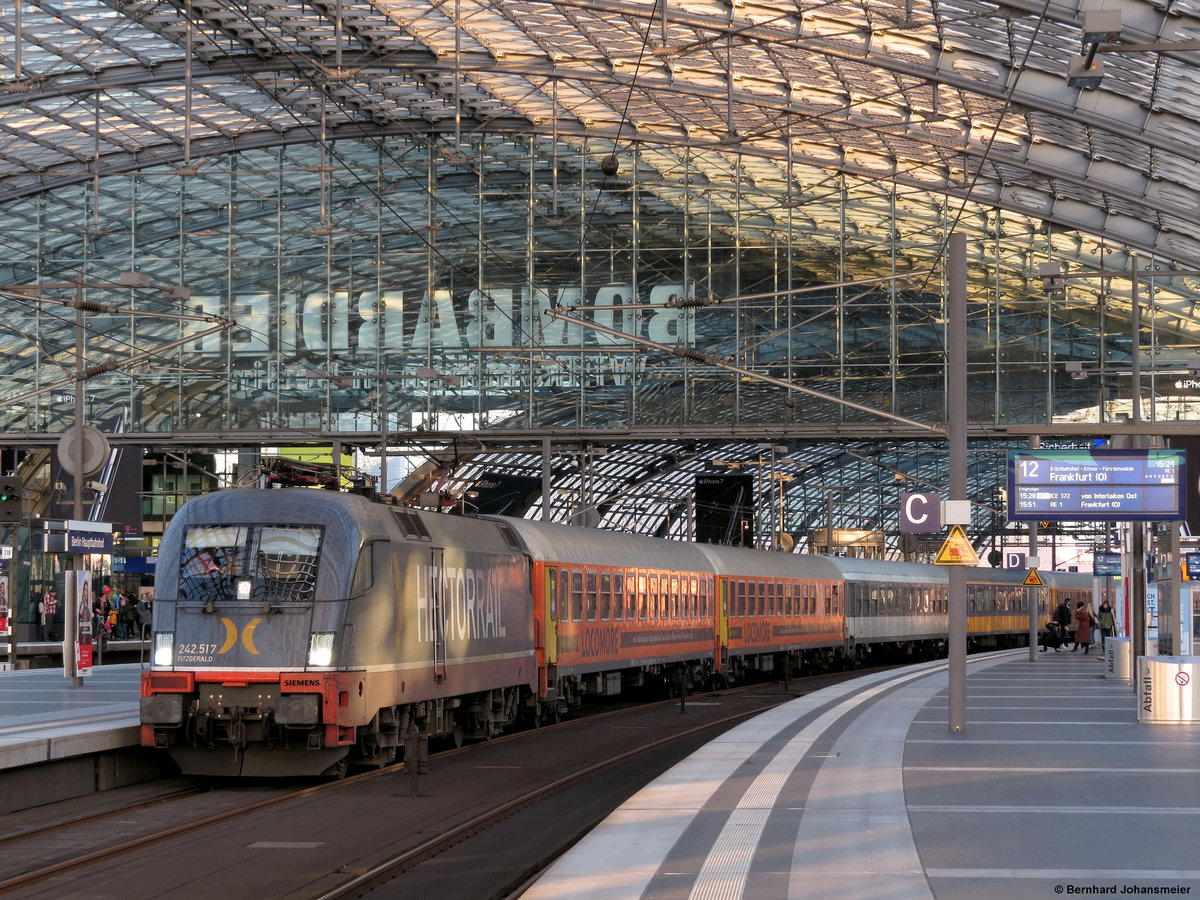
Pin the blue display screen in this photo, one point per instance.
(1096, 485)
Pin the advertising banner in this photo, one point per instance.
(3, 605)
(83, 636)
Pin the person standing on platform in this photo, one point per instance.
(1084, 620)
(1064, 619)
(49, 607)
(101, 607)
(1108, 622)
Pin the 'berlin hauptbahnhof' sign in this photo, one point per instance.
(1096, 485)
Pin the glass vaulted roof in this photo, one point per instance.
(950, 100)
(872, 129)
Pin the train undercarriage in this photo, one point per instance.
(257, 731)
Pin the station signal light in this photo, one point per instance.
(11, 493)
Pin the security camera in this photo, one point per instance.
(1052, 277)
(98, 486)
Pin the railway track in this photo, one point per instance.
(402, 862)
(60, 853)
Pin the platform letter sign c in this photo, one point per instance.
(920, 513)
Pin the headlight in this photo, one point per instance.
(320, 649)
(163, 643)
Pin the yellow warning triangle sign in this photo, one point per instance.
(1033, 579)
(957, 550)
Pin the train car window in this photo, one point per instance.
(740, 609)
(364, 570)
(673, 600)
(564, 594)
(552, 586)
(837, 606)
(694, 597)
(770, 598)
(643, 590)
(269, 563)
(618, 595)
(630, 596)
(704, 595)
(828, 599)
(577, 596)
(591, 597)
(652, 600)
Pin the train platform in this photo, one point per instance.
(861, 791)
(43, 716)
(58, 740)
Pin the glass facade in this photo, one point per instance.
(518, 287)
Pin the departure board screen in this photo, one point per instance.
(1095, 485)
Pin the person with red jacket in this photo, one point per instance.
(49, 607)
(1084, 621)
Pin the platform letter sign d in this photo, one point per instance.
(920, 513)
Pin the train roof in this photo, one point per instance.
(770, 563)
(881, 570)
(553, 542)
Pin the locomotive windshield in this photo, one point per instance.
(264, 563)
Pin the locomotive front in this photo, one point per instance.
(249, 647)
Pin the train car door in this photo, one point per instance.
(437, 608)
(722, 617)
(551, 614)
